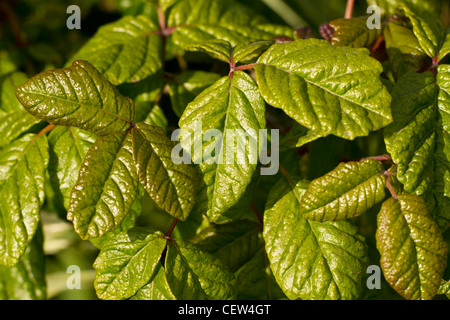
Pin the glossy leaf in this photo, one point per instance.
(255, 280)
(172, 186)
(230, 103)
(127, 50)
(195, 274)
(68, 148)
(106, 186)
(233, 243)
(427, 29)
(127, 263)
(309, 259)
(14, 120)
(445, 48)
(353, 33)
(26, 280)
(346, 192)
(413, 251)
(156, 289)
(328, 89)
(77, 96)
(196, 21)
(418, 140)
(145, 94)
(183, 88)
(403, 49)
(23, 164)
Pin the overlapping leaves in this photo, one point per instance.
(124, 155)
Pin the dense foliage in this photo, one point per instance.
(124, 135)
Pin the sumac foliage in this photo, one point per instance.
(356, 124)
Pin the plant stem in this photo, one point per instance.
(172, 226)
(257, 214)
(45, 130)
(349, 9)
(245, 67)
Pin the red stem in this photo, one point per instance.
(172, 226)
(245, 67)
(349, 9)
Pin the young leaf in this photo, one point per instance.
(193, 274)
(127, 263)
(353, 33)
(223, 50)
(77, 96)
(413, 251)
(23, 164)
(127, 50)
(230, 103)
(346, 192)
(428, 30)
(218, 49)
(67, 147)
(328, 89)
(106, 187)
(418, 140)
(172, 186)
(309, 259)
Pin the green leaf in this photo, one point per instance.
(346, 192)
(444, 288)
(23, 164)
(297, 136)
(127, 263)
(106, 186)
(127, 50)
(427, 29)
(328, 89)
(172, 186)
(403, 49)
(128, 223)
(14, 120)
(243, 52)
(255, 280)
(309, 259)
(26, 280)
(7, 64)
(68, 148)
(197, 21)
(193, 274)
(419, 140)
(247, 51)
(231, 103)
(156, 289)
(217, 48)
(445, 48)
(233, 243)
(353, 33)
(413, 251)
(389, 7)
(184, 87)
(78, 96)
(145, 94)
